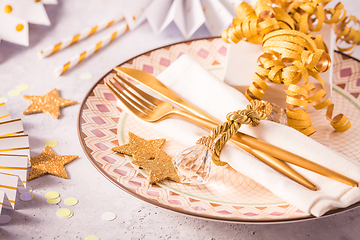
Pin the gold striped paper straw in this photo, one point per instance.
(123, 27)
(78, 37)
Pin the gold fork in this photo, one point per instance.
(151, 109)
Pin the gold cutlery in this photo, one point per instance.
(260, 149)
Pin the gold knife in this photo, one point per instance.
(266, 152)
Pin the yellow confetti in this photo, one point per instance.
(92, 238)
(71, 201)
(3, 99)
(64, 213)
(86, 76)
(108, 216)
(51, 143)
(14, 92)
(53, 201)
(22, 87)
(52, 195)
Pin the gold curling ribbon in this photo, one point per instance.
(292, 53)
(281, 48)
(268, 15)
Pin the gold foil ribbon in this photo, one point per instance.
(292, 53)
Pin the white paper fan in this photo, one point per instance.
(188, 15)
(15, 16)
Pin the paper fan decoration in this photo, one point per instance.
(15, 16)
(187, 15)
(14, 158)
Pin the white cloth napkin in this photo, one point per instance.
(192, 82)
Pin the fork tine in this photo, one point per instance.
(130, 86)
(146, 96)
(126, 97)
(116, 91)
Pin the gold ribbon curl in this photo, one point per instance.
(289, 57)
(292, 53)
(252, 24)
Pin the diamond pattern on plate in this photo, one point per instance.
(229, 195)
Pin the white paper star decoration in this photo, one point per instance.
(188, 15)
(15, 16)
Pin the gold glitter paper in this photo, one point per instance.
(140, 148)
(49, 163)
(159, 168)
(50, 103)
(148, 155)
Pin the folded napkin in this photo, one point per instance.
(192, 82)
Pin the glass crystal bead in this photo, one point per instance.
(278, 115)
(193, 164)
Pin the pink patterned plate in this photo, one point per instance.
(229, 195)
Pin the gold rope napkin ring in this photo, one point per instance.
(254, 112)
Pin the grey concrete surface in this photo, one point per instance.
(136, 219)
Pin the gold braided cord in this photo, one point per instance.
(254, 112)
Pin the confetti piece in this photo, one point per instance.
(51, 143)
(71, 201)
(3, 99)
(86, 76)
(108, 216)
(64, 213)
(22, 87)
(24, 190)
(92, 238)
(52, 195)
(71, 214)
(53, 201)
(4, 219)
(14, 92)
(26, 196)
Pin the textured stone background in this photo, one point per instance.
(135, 219)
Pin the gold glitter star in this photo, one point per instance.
(148, 155)
(49, 163)
(159, 168)
(140, 148)
(50, 103)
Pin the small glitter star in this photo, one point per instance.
(159, 168)
(50, 103)
(140, 148)
(148, 155)
(49, 163)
